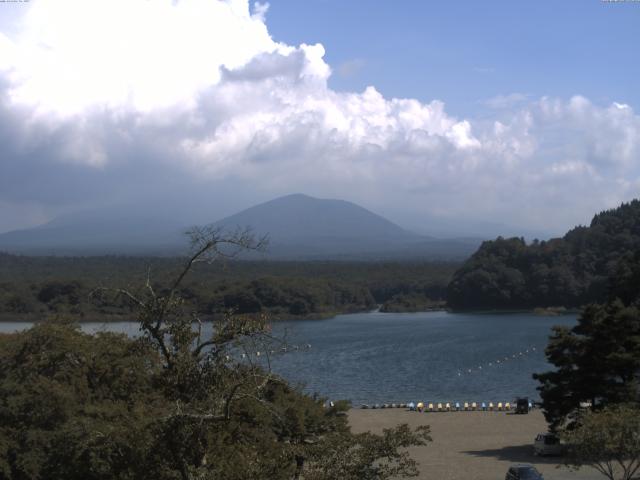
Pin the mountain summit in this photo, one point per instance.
(299, 217)
(304, 227)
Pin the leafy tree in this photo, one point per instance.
(625, 282)
(608, 441)
(75, 406)
(179, 402)
(597, 361)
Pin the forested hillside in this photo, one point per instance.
(32, 288)
(571, 271)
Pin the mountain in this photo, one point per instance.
(97, 233)
(582, 267)
(298, 226)
(304, 227)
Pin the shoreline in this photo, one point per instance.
(35, 318)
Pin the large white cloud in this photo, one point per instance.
(106, 98)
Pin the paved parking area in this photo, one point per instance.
(472, 445)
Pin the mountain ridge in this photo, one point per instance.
(299, 227)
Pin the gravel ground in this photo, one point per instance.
(472, 445)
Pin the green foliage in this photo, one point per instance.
(36, 287)
(597, 361)
(608, 441)
(74, 406)
(370, 457)
(411, 302)
(570, 271)
(176, 403)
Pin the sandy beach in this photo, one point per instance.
(472, 445)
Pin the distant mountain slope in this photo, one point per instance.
(299, 228)
(307, 228)
(298, 216)
(569, 271)
(98, 232)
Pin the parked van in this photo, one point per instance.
(522, 405)
(547, 444)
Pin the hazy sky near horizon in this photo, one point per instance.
(523, 113)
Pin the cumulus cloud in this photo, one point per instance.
(134, 99)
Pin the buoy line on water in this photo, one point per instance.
(498, 362)
(435, 407)
(265, 352)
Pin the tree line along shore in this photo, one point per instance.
(505, 274)
(32, 288)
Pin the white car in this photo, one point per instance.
(547, 444)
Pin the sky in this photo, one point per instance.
(502, 112)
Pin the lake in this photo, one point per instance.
(392, 357)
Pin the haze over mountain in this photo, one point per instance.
(243, 103)
(302, 225)
(98, 232)
(298, 227)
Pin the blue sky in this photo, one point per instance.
(465, 113)
(464, 52)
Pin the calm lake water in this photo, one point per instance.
(390, 357)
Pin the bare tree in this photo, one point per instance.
(219, 389)
(203, 371)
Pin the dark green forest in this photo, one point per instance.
(571, 271)
(32, 288)
(596, 361)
